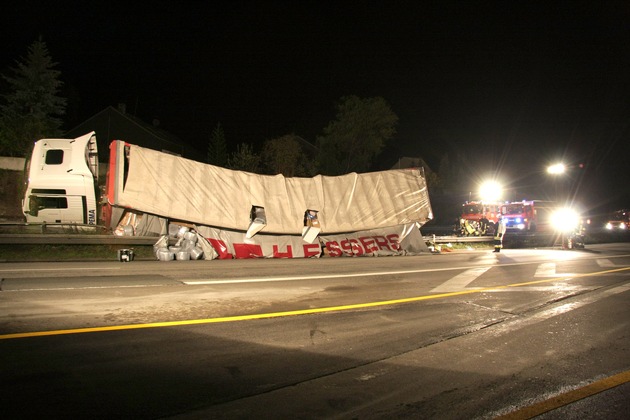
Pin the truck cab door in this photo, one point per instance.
(46, 209)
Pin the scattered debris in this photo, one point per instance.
(186, 248)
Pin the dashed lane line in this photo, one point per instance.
(461, 280)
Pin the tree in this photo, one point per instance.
(446, 172)
(359, 133)
(284, 155)
(433, 180)
(244, 159)
(32, 107)
(217, 149)
(454, 172)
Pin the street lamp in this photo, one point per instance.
(556, 169)
(562, 182)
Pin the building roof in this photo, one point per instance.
(412, 162)
(116, 124)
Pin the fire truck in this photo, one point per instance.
(527, 215)
(478, 218)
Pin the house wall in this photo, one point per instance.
(10, 194)
(12, 163)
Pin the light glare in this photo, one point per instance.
(565, 220)
(556, 169)
(490, 191)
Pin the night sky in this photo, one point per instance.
(512, 86)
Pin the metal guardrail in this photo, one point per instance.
(73, 234)
(75, 239)
(79, 239)
(457, 239)
(78, 234)
(66, 234)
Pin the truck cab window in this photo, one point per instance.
(37, 203)
(54, 202)
(54, 157)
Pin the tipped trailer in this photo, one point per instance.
(226, 213)
(247, 215)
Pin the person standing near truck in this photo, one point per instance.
(499, 234)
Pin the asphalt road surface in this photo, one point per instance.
(468, 334)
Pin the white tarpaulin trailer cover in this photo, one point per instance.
(181, 189)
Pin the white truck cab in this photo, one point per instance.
(62, 185)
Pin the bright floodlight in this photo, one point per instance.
(490, 191)
(556, 169)
(565, 220)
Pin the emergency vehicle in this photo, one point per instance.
(479, 218)
(527, 215)
(619, 221)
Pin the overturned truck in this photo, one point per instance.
(236, 214)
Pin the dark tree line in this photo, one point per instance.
(350, 143)
(31, 108)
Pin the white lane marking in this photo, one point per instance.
(315, 277)
(194, 282)
(13, 270)
(549, 270)
(546, 270)
(41, 289)
(605, 262)
(510, 325)
(460, 281)
(550, 288)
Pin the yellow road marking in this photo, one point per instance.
(567, 397)
(292, 313)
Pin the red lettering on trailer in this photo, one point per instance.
(248, 251)
(278, 254)
(348, 247)
(311, 250)
(352, 247)
(369, 244)
(363, 245)
(221, 248)
(382, 242)
(334, 250)
(394, 242)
